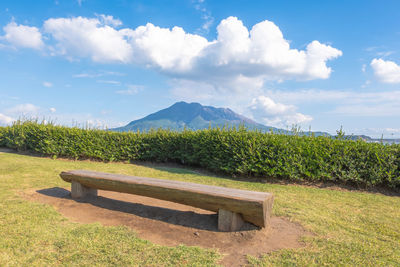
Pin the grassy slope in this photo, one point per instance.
(351, 228)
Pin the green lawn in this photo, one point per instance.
(350, 228)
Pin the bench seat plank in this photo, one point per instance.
(255, 207)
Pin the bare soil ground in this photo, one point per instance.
(171, 224)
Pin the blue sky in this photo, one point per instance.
(318, 64)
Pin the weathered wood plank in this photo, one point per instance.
(80, 191)
(229, 221)
(255, 207)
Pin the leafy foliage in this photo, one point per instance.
(2, 138)
(234, 151)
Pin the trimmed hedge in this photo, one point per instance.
(2, 138)
(231, 151)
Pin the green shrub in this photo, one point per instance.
(231, 151)
(2, 136)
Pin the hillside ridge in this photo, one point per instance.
(193, 116)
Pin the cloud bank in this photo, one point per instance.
(238, 61)
(260, 52)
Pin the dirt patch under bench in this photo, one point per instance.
(171, 224)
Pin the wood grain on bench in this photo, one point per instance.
(254, 207)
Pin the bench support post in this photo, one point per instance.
(80, 191)
(229, 221)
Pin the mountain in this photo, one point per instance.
(193, 116)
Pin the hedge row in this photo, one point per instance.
(231, 151)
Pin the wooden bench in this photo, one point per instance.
(233, 205)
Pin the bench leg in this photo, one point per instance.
(80, 191)
(229, 221)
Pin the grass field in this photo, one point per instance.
(350, 228)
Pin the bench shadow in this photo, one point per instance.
(190, 219)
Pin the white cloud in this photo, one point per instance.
(52, 110)
(24, 110)
(237, 63)
(379, 51)
(109, 20)
(206, 16)
(236, 92)
(276, 114)
(259, 53)
(346, 103)
(363, 67)
(109, 82)
(268, 106)
(23, 36)
(112, 73)
(238, 53)
(5, 120)
(171, 51)
(83, 37)
(131, 90)
(385, 53)
(208, 21)
(86, 75)
(97, 74)
(47, 84)
(262, 52)
(386, 71)
(244, 96)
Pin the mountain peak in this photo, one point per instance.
(183, 103)
(191, 116)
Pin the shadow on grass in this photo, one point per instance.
(190, 219)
